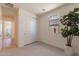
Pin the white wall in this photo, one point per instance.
(56, 40)
(27, 27)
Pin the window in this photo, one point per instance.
(54, 23)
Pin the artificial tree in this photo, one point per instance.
(71, 27)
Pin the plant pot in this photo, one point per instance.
(68, 50)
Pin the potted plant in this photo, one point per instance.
(70, 28)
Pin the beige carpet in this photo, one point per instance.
(34, 49)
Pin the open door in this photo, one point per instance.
(8, 32)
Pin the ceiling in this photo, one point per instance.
(38, 8)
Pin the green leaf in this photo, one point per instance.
(76, 9)
(70, 21)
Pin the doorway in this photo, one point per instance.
(7, 32)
